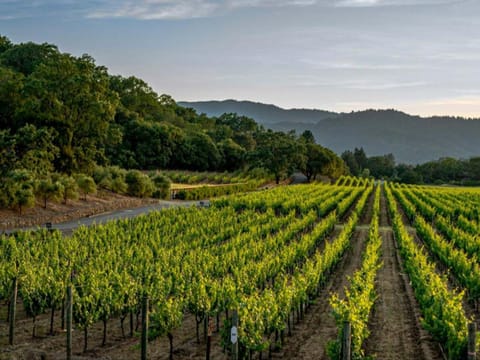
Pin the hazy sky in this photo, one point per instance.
(420, 56)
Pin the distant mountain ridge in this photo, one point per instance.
(411, 139)
(263, 113)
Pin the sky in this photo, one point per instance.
(418, 56)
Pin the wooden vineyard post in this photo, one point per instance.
(347, 341)
(69, 321)
(13, 310)
(472, 337)
(144, 326)
(234, 335)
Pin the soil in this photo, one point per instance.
(396, 332)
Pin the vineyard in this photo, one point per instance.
(348, 270)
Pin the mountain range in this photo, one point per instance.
(411, 139)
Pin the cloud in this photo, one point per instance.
(155, 9)
(184, 9)
(457, 101)
(173, 9)
(371, 3)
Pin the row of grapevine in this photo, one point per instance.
(359, 299)
(442, 310)
(465, 267)
(348, 180)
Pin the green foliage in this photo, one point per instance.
(86, 184)
(111, 178)
(139, 184)
(361, 295)
(60, 113)
(443, 314)
(279, 153)
(17, 190)
(162, 186)
(69, 187)
(47, 189)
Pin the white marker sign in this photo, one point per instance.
(234, 335)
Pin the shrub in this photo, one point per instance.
(139, 184)
(162, 186)
(86, 184)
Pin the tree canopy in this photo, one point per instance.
(65, 114)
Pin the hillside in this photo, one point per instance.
(263, 113)
(412, 139)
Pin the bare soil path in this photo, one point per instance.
(394, 324)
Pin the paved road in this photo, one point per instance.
(68, 226)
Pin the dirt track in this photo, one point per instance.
(395, 329)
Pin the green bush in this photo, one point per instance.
(17, 190)
(162, 186)
(139, 184)
(111, 178)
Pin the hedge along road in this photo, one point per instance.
(67, 227)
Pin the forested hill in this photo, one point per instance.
(65, 114)
(411, 139)
(265, 114)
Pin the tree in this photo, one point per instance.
(71, 95)
(17, 190)
(233, 155)
(35, 149)
(162, 186)
(336, 167)
(49, 190)
(278, 152)
(349, 159)
(317, 160)
(5, 44)
(139, 184)
(199, 152)
(24, 198)
(11, 97)
(360, 158)
(381, 166)
(308, 137)
(7, 152)
(69, 187)
(86, 185)
(26, 57)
